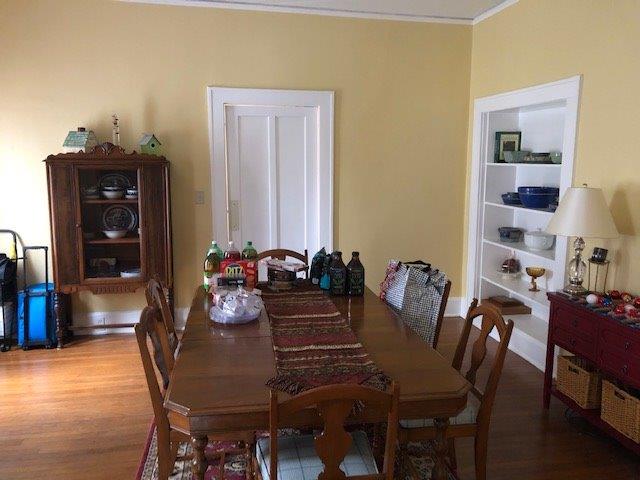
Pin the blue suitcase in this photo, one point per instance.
(36, 317)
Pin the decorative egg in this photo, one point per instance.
(635, 313)
(636, 302)
(626, 297)
(615, 294)
(628, 307)
(619, 310)
(606, 301)
(592, 299)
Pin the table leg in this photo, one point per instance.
(199, 462)
(441, 448)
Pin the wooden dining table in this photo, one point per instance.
(218, 383)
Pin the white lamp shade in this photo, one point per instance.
(583, 212)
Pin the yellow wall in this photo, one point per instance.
(538, 41)
(400, 119)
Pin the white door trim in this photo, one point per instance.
(220, 97)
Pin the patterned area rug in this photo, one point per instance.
(235, 465)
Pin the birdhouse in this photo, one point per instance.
(79, 140)
(149, 144)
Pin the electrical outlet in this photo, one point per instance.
(199, 197)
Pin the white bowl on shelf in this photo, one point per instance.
(113, 194)
(115, 233)
(538, 240)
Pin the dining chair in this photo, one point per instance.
(156, 297)
(471, 422)
(283, 253)
(333, 453)
(156, 356)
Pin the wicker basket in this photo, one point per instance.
(621, 410)
(579, 382)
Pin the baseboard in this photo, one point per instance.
(92, 320)
(455, 307)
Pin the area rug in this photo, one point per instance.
(314, 344)
(235, 465)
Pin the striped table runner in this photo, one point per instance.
(314, 344)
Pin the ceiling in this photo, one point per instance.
(446, 11)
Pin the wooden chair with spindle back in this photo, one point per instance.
(470, 423)
(156, 298)
(283, 253)
(338, 453)
(151, 334)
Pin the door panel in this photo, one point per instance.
(272, 176)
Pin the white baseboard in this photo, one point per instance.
(95, 319)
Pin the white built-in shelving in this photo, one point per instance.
(547, 117)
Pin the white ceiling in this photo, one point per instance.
(448, 11)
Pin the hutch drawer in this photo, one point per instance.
(575, 343)
(622, 366)
(616, 338)
(576, 322)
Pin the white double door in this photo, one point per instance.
(276, 189)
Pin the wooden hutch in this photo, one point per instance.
(84, 257)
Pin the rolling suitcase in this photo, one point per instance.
(36, 317)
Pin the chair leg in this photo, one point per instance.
(249, 456)
(452, 454)
(480, 448)
(165, 466)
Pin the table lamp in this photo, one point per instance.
(581, 213)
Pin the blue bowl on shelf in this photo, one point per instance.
(537, 197)
(510, 234)
(511, 198)
(539, 190)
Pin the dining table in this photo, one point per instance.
(218, 383)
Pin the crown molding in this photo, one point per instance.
(492, 11)
(249, 5)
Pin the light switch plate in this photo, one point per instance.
(199, 197)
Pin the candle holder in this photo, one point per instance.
(535, 272)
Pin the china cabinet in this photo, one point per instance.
(110, 224)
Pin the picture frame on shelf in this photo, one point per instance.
(506, 141)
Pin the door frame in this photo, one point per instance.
(218, 98)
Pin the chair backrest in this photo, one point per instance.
(150, 328)
(334, 403)
(156, 298)
(491, 318)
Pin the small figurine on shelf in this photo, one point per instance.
(149, 144)
(82, 140)
(116, 129)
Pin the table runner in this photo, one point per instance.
(314, 344)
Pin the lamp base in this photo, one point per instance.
(575, 290)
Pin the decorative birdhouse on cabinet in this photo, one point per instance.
(79, 140)
(149, 144)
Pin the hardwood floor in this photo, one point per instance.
(83, 413)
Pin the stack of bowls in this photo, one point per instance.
(537, 197)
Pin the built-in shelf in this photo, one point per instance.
(516, 207)
(546, 115)
(518, 288)
(112, 241)
(535, 165)
(107, 201)
(521, 247)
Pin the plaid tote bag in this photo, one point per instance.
(423, 294)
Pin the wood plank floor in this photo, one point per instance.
(83, 413)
